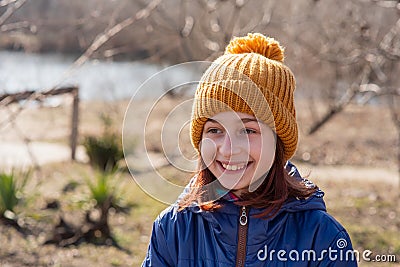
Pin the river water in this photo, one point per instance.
(97, 80)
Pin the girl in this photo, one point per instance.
(247, 205)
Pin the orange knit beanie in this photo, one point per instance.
(251, 78)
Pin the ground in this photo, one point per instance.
(352, 159)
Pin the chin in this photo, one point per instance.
(229, 185)
(232, 185)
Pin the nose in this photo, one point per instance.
(229, 146)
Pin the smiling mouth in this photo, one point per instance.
(233, 167)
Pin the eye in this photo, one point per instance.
(213, 131)
(249, 131)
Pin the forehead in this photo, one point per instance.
(232, 116)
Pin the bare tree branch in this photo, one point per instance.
(336, 108)
(391, 50)
(185, 31)
(265, 20)
(17, 25)
(102, 38)
(7, 2)
(11, 10)
(374, 63)
(229, 31)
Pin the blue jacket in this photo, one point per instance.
(301, 234)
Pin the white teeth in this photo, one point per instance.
(233, 167)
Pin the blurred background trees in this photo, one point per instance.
(330, 43)
(341, 52)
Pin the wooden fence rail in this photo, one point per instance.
(31, 95)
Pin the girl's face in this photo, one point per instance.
(237, 149)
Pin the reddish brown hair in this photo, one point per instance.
(276, 188)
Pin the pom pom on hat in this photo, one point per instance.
(256, 43)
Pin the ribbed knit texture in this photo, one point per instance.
(250, 78)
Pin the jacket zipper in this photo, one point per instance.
(242, 237)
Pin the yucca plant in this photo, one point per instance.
(105, 151)
(105, 189)
(11, 186)
(102, 189)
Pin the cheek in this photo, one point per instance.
(207, 151)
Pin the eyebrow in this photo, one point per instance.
(249, 120)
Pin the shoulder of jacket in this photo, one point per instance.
(325, 220)
(331, 233)
(172, 215)
(324, 228)
(327, 229)
(316, 220)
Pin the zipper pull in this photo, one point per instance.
(243, 217)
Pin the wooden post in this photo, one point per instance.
(75, 122)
